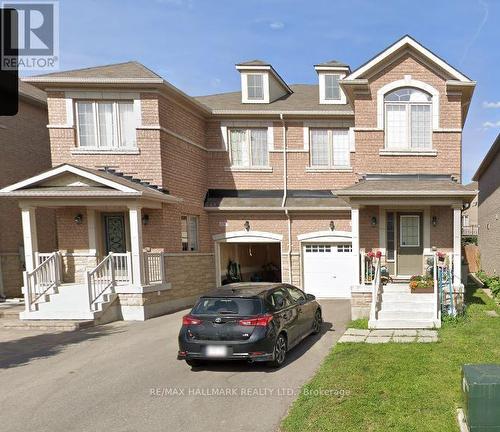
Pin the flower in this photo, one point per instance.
(370, 254)
(379, 254)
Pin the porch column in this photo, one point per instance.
(136, 245)
(355, 242)
(29, 236)
(457, 244)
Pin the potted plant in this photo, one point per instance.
(422, 284)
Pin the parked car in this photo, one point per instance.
(248, 321)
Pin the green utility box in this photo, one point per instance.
(481, 392)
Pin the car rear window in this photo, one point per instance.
(227, 306)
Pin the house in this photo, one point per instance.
(160, 196)
(488, 178)
(24, 140)
(470, 214)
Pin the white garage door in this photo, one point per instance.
(328, 269)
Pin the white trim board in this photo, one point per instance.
(248, 237)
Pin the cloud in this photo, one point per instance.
(469, 44)
(487, 104)
(277, 25)
(491, 125)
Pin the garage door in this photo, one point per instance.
(328, 269)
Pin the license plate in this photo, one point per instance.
(216, 351)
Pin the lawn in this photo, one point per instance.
(398, 387)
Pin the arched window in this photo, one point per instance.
(408, 119)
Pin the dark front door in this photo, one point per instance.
(410, 244)
(114, 233)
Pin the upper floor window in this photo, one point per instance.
(106, 124)
(330, 148)
(408, 119)
(248, 147)
(332, 88)
(189, 233)
(255, 86)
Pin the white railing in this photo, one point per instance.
(437, 295)
(376, 290)
(367, 268)
(470, 230)
(40, 257)
(113, 269)
(45, 276)
(154, 267)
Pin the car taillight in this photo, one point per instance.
(260, 321)
(189, 320)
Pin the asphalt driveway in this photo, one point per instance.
(124, 377)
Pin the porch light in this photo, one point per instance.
(374, 220)
(332, 226)
(145, 219)
(246, 225)
(434, 220)
(78, 219)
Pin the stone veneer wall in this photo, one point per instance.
(74, 267)
(360, 304)
(11, 272)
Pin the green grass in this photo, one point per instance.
(361, 323)
(398, 387)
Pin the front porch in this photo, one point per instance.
(402, 226)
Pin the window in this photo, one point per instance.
(106, 124)
(297, 295)
(255, 86)
(410, 230)
(318, 248)
(332, 88)
(344, 248)
(408, 120)
(465, 220)
(279, 299)
(248, 147)
(189, 233)
(330, 148)
(390, 236)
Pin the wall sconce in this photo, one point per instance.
(434, 220)
(145, 219)
(374, 221)
(246, 225)
(332, 226)
(78, 219)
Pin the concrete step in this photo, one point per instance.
(404, 288)
(403, 324)
(59, 325)
(405, 315)
(57, 314)
(407, 297)
(407, 306)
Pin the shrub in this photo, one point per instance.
(421, 282)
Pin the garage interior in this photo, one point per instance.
(250, 262)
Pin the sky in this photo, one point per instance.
(194, 44)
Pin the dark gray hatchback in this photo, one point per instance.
(248, 321)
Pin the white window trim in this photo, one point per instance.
(250, 166)
(401, 231)
(243, 124)
(407, 82)
(244, 87)
(189, 239)
(330, 166)
(97, 148)
(322, 89)
(408, 113)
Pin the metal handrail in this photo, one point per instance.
(376, 288)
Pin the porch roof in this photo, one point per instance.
(407, 185)
(71, 181)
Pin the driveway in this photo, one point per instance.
(124, 377)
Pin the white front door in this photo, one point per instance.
(328, 269)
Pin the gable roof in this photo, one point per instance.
(401, 44)
(488, 159)
(103, 184)
(255, 62)
(333, 63)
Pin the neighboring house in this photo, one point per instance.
(273, 182)
(470, 214)
(488, 178)
(24, 142)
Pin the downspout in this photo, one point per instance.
(283, 203)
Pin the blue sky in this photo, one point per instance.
(194, 44)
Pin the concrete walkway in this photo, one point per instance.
(384, 336)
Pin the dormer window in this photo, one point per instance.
(332, 88)
(255, 86)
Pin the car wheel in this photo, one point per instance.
(318, 320)
(279, 351)
(194, 362)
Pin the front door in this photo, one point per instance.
(410, 247)
(114, 233)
